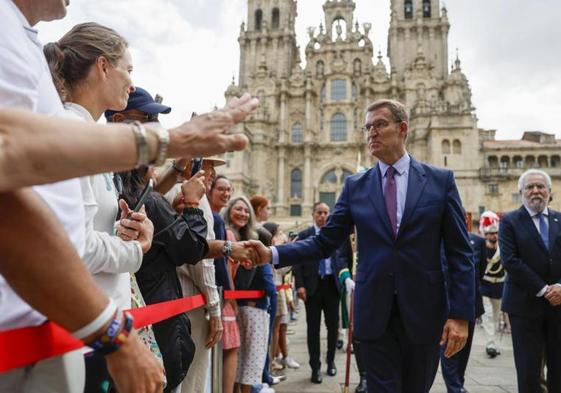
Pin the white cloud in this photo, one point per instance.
(187, 51)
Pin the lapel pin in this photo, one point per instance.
(555, 219)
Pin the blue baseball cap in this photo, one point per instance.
(141, 100)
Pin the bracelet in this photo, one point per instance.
(115, 335)
(141, 144)
(98, 322)
(176, 168)
(163, 142)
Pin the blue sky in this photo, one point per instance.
(187, 51)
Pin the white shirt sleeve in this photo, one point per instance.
(542, 292)
(104, 252)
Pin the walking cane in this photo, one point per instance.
(349, 345)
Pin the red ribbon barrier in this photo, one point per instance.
(243, 294)
(28, 345)
(157, 312)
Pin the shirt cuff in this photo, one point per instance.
(542, 292)
(275, 254)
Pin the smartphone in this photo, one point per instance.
(196, 165)
(147, 189)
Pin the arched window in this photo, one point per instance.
(408, 9)
(457, 147)
(258, 19)
(543, 162)
(339, 29)
(338, 89)
(297, 135)
(530, 162)
(338, 127)
(493, 162)
(555, 161)
(329, 178)
(296, 183)
(319, 69)
(518, 162)
(426, 8)
(505, 162)
(275, 18)
(445, 146)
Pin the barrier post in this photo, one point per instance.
(216, 357)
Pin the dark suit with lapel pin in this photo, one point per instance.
(322, 294)
(401, 303)
(536, 325)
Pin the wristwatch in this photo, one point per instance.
(227, 248)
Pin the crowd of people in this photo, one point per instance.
(95, 221)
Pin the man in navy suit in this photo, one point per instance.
(318, 285)
(403, 211)
(530, 240)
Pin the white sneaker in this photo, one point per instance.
(266, 389)
(290, 363)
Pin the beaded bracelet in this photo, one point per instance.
(115, 335)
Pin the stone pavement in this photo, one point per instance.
(483, 375)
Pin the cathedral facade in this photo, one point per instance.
(306, 135)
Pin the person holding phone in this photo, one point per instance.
(90, 65)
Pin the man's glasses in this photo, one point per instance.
(378, 126)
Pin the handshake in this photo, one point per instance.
(251, 253)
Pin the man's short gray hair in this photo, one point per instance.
(396, 108)
(529, 172)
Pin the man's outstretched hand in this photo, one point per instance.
(263, 253)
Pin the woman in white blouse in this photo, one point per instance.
(91, 67)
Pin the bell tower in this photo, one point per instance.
(269, 34)
(418, 25)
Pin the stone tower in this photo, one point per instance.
(270, 35)
(418, 26)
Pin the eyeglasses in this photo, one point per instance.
(378, 125)
(530, 187)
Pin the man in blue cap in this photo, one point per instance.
(141, 107)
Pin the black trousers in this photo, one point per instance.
(326, 299)
(395, 364)
(531, 338)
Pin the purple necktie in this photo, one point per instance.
(390, 197)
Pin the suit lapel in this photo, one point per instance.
(554, 227)
(528, 222)
(377, 197)
(415, 186)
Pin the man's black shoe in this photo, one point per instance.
(339, 344)
(331, 369)
(316, 376)
(491, 352)
(361, 388)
